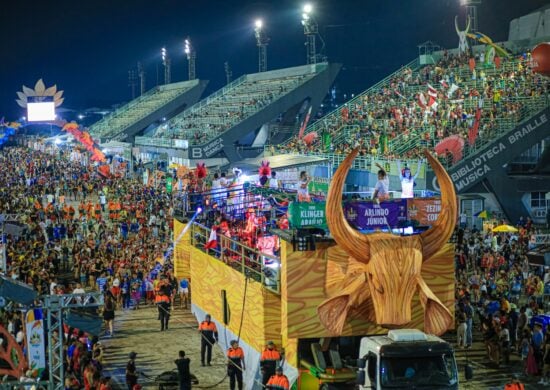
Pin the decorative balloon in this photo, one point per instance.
(541, 58)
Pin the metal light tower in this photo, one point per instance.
(311, 29)
(167, 66)
(471, 8)
(191, 58)
(261, 41)
(228, 72)
(141, 74)
(132, 82)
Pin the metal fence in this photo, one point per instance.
(252, 263)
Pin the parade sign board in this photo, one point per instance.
(370, 215)
(35, 340)
(302, 215)
(423, 211)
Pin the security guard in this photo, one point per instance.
(163, 304)
(269, 361)
(279, 381)
(209, 334)
(235, 365)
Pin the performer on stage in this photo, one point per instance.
(407, 180)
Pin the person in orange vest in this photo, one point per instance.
(209, 336)
(163, 304)
(269, 361)
(37, 205)
(235, 365)
(71, 212)
(81, 208)
(514, 384)
(97, 210)
(279, 381)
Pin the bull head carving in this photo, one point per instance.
(389, 265)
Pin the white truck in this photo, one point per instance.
(406, 359)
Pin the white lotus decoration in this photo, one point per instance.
(39, 91)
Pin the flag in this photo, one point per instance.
(452, 90)
(398, 94)
(422, 101)
(473, 132)
(432, 91)
(304, 123)
(444, 83)
(212, 240)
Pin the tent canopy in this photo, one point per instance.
(279, 161)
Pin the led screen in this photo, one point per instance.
(38, 112)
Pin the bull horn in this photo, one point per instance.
(354, 243)
(456, 24)
(468, 25)
(442, 229)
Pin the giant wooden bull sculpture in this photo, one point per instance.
(384, 270)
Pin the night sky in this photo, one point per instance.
(86, 47)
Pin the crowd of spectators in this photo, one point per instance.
(498, 292)
(384, 119)
(81, 232)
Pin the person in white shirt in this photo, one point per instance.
(274, 183)
(407, 180)
(102, 201)
(382, 187)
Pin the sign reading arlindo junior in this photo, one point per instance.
(495, 155)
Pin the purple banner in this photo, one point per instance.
(369, 215)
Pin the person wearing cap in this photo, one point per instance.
(131, 373)
(279, 381)
(235, 365)
(269, 360)
(514, 384)
(209, 336)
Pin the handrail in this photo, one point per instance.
(259, 266)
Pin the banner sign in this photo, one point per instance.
(319, 185)
(488, 162)
(302, 215)
(370, 215)
(423, 211)
(169, 185)
(207, 150)
(36, 352)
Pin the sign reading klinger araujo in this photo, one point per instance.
(498, 153)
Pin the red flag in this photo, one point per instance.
(212, 240)
(473, 132)
(432, 91)
(304, 123)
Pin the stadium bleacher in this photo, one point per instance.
(118, 121)
(387, 118)
(232, 104)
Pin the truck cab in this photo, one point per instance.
(405, 359)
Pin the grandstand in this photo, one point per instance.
(229, 120)
(157, 103)
(387, 120)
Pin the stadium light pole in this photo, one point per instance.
(311, 29)
(261, 41)
(191, 58)
(471, 8)
(167, 66)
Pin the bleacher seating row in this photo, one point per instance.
(506, 94)
(231, 105)
(139, 108)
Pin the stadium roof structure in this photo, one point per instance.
(160, 102)
(229, 120)
(280, 161)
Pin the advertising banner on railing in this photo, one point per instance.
(302, 215)
(35, 340)
(423, 211)
(370, 215)
(319, 185)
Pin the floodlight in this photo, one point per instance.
(308, 8)
(259, 23)
(58, 141)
